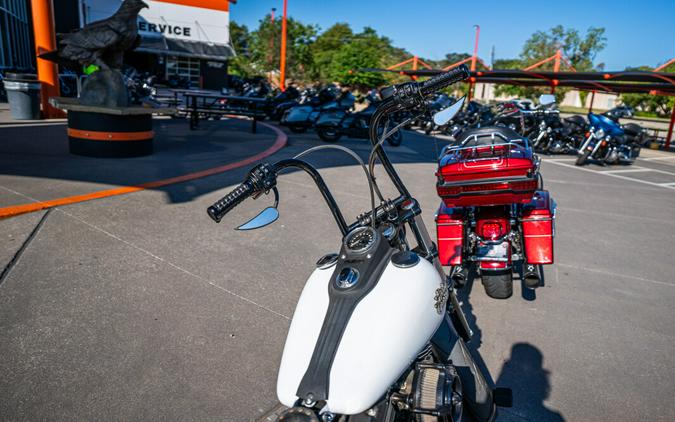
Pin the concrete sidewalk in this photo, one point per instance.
(139, 307)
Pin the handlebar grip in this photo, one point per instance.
(441, 81)
(218, 210)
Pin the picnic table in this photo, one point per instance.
(210, 103)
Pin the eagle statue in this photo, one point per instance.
(101, 43)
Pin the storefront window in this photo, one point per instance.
(183, 67)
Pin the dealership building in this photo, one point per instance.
(179, 38)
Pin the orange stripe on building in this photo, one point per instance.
(110, 136)
(222, 5)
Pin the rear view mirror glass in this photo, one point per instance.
(445, 115)
(546, 99)
(267, 216)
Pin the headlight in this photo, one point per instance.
(600, 133)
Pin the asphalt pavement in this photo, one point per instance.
(139, 307)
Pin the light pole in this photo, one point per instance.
(282, 64)
(271, 56)
(472, 80)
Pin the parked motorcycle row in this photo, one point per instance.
(600, 137)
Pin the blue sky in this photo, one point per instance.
(638, 33)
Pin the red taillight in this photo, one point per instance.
(492, 230)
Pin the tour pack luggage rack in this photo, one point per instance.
(502, 172)
(502, 148)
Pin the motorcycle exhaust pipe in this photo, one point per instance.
(531, 276)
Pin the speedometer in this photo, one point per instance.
(361, 239)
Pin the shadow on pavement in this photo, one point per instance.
(525, 374)
(42, 152)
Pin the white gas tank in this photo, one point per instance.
(380, 336)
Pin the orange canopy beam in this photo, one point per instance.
(665, 65)
(404, 62)
(468, 59)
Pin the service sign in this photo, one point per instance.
(189, 20)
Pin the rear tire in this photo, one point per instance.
(498, 285)
(328, 134)
(297, 129)
(581, 160)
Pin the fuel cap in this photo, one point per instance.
(405, 259)
(347, 278)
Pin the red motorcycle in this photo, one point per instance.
(495, 212)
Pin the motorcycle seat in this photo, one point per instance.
(576, 120)
(632, 129)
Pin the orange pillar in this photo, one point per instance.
(282, 65)
(556, 68)
(414, 67)
(45, 40)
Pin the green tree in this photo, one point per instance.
(580, 50)
(265, 45)
(660, 105)
(240, 40)
(364, 50)
(325, 48)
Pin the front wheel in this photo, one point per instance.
(498, 285)
(328, 134)
(581, 160)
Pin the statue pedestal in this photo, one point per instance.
(96, 131)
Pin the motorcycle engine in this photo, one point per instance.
(431, 391)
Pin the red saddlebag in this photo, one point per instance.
(538, 223)
(450, 234)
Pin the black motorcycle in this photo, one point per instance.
(334, 124)
(303, 116)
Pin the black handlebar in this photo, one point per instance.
(444, 79)
(218, 210)
(260, 179)
(411, 94)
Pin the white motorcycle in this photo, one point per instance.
(378, 333)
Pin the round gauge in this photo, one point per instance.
(361, 239)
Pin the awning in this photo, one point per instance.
(660, 83)
(175, 47)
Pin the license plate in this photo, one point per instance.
(499, 252)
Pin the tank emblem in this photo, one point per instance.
(441, 298)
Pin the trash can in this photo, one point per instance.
(23, 96)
